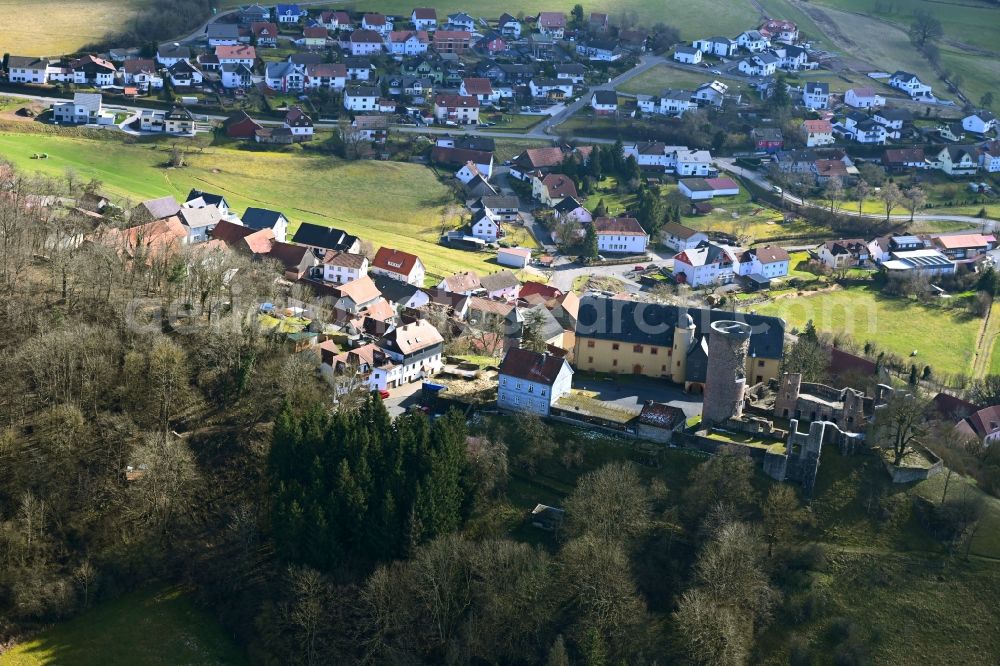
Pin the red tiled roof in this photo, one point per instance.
(621, 226)
(559, 186)
(396, 261)
(477, 86)
(241, 51)
(456, 101)
(544, 290)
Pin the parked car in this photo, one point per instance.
(384, 394)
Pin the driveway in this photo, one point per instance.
(631, 391)
(402, 398)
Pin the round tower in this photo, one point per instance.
(725, 378)
(683, 339)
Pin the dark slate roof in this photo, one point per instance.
(328, 238)
(531, 366)
(394, 291)
(207, 197)
(697, 361)
(606, 97)
(652, 323)
(261, 218)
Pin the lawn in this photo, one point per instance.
(894, 324)
(654, 80)
(972, 22)
(143, 629)
(388, 203)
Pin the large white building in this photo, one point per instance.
(621, 235)
(707, 263)
(531, 382)
(416, 349)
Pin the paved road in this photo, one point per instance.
(728, 164)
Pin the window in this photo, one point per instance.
(590, 359)
(760, 364)
(637, 349)
(614, 363)
(590, 344)
(504, 381)
(654, 350)
(664, 368)
(614, 346)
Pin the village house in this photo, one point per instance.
(483, 225)
(465, 283)
(847, 253)
(335, 20)
(27, 69)
(408, 42)
(671, 102)
(600, 49)
(989, 156)
(928, 261)
(767, 139)
(502, 207)
(713, 93)
(481, 89)
(817, 132)
(958, 160)
(687, 55)
(980, 122)
(323, 240)
(398, 265)
(371, 128)
(816, 96)
(753, 41)
(340, 267)
(299, 123)
(863, 98)
(982, 425)
(85, 108)
(94, 71)
(237, 54)
(764, 64)
(763, 264)
(552, 24)
(365, 42)
(461, 157)
(552, 188)
(620, 235)
(377, 23)
(169, 55)
(222, 34)
(678, 238)
(502, 285)
(185, 75)
(313, 37)
(604, 102)
(284, 76)
(461, 21)
(863, 129)
(692, 162)
(707, 263)
(262, 218)
(531, 382)
(904, 159)
(550, 88)
(331, 76)
(361, 98)
(456, 109)
(424, 18)
(252, 13)
(717, 46)
(265, 34)
(963, 247)
(200, 222)
(509, 26)
(780, 30)
(289, 13)
(910, 84)
(575, 73)
(236, 76)
(893, 120)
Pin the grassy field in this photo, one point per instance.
(654, 80)
(971, 22)
(894, 324)
(47, 27)
(141, 629)
(388, 203)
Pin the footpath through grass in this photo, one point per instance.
(388, 203)
(150, 628)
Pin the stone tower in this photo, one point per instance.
(725, 378)
(684, 332)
